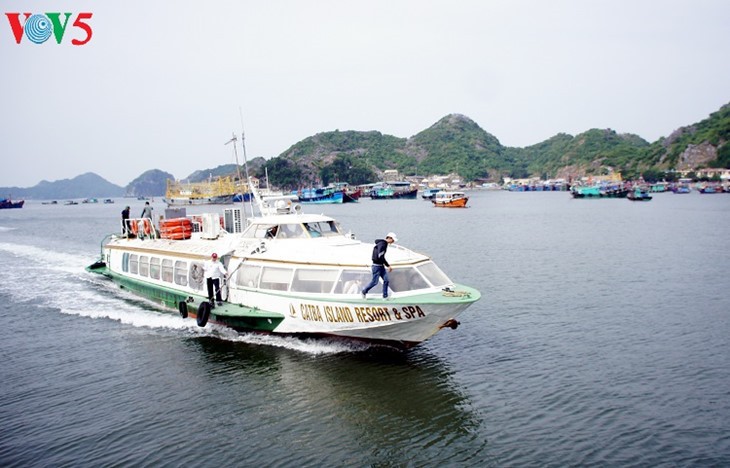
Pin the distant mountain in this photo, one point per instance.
(456, 144)
(152, 183)
(88, 185)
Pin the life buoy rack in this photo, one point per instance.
(176, 228)
(147, 226)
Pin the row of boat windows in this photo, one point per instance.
(292, 230)
(311, 280)
(304, 280)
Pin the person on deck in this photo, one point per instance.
(214, 271)
(147, 211)
(125, 221)
(380, 264)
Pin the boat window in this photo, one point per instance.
(167, 270)
(133, 264)
(433, 274)
(290, 231)
(248, 276)
(155, 268)
(353, 281)
(125, 262)
(181, 273)
(314, 281)
(195, 278)
(259, 231)
(144, 265)
(406, 279)
(322, 228)
(276, 278)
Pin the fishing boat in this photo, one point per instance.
(289, 273)
(349, 194)
(450, 200)
(8, 203)
(599, 191)
(393, 190)
(429, 193)
(320, 195)
(639, 194)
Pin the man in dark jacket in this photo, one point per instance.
(380, 264)
(125, 221)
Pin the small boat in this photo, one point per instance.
(289, 273)
(71, 202)
(599, 191)
(429, 193)
(52, 202)
(108, 200)
(709, 188)
(639, 194)
(6, 203)
(450, 200)
(393, 190)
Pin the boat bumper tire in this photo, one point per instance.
(203, 314)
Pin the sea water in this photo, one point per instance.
(602, 338)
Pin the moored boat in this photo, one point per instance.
(599, 191)
(639, 194)
(450, 200)
(289, 273)
(393, 190)
(321, 195)
(429, 193)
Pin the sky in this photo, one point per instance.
(164, 85)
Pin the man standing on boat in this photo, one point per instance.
(380, 264)
(147, 211)
(125, 221)
(214, 271)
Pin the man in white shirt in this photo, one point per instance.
(214, 271)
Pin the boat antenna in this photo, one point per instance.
(253, 192)
(238, 166)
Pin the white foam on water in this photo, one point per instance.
(6, 229)
(58, 280)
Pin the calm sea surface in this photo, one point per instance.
(602, 338)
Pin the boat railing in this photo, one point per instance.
(141, 228)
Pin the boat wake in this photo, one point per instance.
(57, 280)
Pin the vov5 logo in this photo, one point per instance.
(39, 27)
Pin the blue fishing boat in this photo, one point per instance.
(321, 195)
(8, 203)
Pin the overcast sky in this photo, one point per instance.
(162, 85)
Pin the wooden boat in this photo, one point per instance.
(599, 191)
(321, 195)
(639, 194)
(289, 273)
(429, 193)
(450, 200)
(7, 203)
(393, 190)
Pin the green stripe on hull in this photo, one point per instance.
(236, 316)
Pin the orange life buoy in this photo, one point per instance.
(134, 227)
(147, 226)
